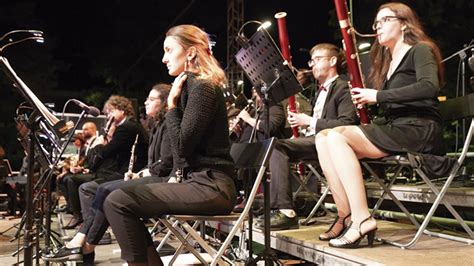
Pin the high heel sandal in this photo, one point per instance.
(329, 234)
(346, 243)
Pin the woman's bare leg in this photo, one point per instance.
(347, 145)
(337, 189)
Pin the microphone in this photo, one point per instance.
(92, 110)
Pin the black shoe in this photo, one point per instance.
(239, 208)
(106, 239)
(279, 221)
(73, 223)
(88, 259)
(64, 254)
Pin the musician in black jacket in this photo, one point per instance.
(332, 107)
(109, 160)
(160, 164)
(197, 126)
(250, 122)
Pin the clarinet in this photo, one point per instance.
(132, 159)
(107, 128)
(233, 134)
(352, 57)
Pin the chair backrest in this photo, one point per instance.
(252, 155)
(458, 108)
(5, 168)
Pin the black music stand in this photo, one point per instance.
(35, 123)
(274, 81)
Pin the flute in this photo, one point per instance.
(129, 174)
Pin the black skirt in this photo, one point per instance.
(406, 134)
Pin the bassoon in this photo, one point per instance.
(352, 57)
(285, 50)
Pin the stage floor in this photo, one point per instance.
(303, 243)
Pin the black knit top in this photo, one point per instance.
(198, 128)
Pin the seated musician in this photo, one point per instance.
(406, 73)
(332, 106)
(109, 162)
(198, 131)
(246, 121)
(84, 142)
(160, 163)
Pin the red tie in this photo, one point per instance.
(322, 88)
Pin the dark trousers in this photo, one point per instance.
(205, 192)
(93, 196)
(62, 187)
(73, 181)
(286, 151)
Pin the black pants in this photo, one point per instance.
(286, 151)
(205, 192)
(73, 181)
(93, 196)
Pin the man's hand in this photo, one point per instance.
(244, 115)
(76, 169)
(298, 119)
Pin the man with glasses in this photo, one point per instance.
(332, 107)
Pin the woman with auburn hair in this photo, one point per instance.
(406, 72)
(198, 132)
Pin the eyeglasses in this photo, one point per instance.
(383, 20)
(149, 98)
(316, 59)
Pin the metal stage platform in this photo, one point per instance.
(304, 243)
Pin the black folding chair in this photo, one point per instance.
(453, 109)
(246, 156)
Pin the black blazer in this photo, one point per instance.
(277, 124)
(338, 109)
(119, 148)
(160, 158)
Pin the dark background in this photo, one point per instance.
(97, 48)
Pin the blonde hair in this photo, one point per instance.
(191, 36)
(412, 35)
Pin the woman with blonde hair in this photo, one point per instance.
(198, 132)
(407, 73)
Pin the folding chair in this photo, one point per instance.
(312, 171)
(453, 109)
(245, 155)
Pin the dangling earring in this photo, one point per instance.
(186, 64)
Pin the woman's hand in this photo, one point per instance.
(364, 95)
(175, 91)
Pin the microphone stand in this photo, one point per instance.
(33, 126)
(268, 255)
(462, 61)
